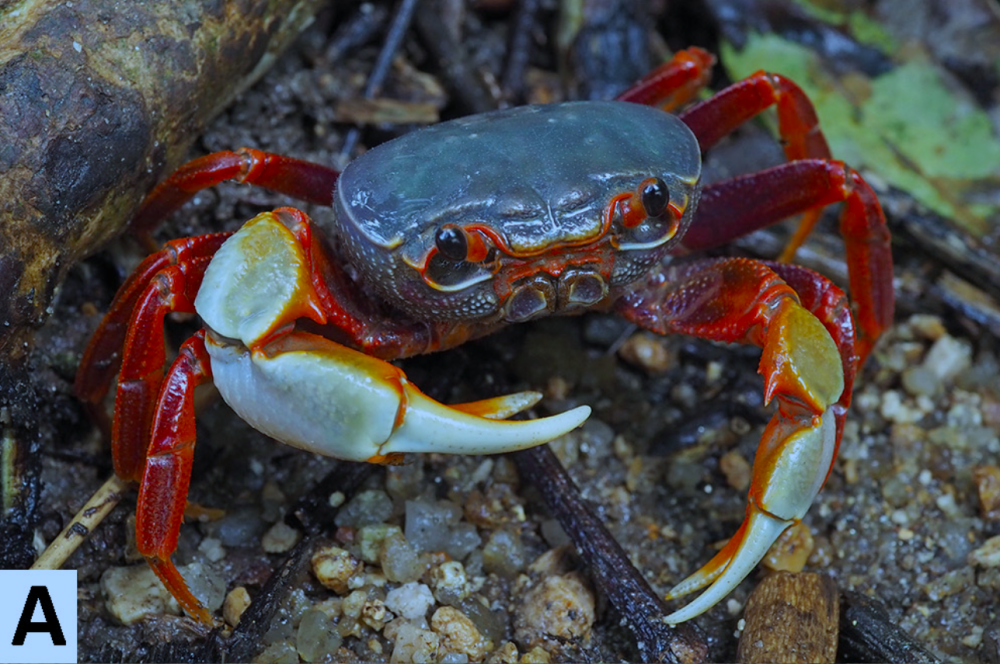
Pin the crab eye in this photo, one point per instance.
(453, 242)
(654, 196)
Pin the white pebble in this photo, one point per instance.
(410, 600)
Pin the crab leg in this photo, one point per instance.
(300, 179)
(167, 473)
(779, 192)
(166, 281)
(745, 301)
(740, 205)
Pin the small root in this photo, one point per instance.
(80, 527)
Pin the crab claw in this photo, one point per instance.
(315, 394)
(794, 456)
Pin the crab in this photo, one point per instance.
(449, 233)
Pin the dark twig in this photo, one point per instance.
(468, 88)
(867, 634)
(393, 40)
(358, 30)
(519, 50)
(641, 610)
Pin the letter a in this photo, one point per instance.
(39, 595)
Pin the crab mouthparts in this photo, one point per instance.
(544, 294)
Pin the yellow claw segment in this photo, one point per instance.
(800, 359)
(231, 300)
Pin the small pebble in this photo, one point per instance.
(334, 566)
(212, 549)
(504, 554)
(987, 479)
(428, 525)
(450, 582)
(414, 645)
(536, 655)
(791, 550)
(280, 538)
(316, 639)
(505, 654)
(948, 357)
(281, 652)
(364, 509)
(401, 563)
(920, 381)
(951, 583)
(988, 555)
(893, 408)
(370, 538)
(927, 326)
(459, 634)
(736, 469)
(132, 593)
(375, 615)
(557, 610)
(237, 601)
(646, 351)
(410, 600)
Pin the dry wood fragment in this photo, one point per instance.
(98, 100)
(791, 618)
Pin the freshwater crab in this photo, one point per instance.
(451, 232)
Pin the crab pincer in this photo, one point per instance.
(808, 367)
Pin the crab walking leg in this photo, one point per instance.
(735, 207)
(143, 356)
(744, 301)
(674, 83)
(798, 127)
(167, 475)
(103, 355)
(304, 180)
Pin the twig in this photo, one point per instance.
(519, 50)
(80, 527)
(400, 24)
(640, 608)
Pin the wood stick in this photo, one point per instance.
(791, 618)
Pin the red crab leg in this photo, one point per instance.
(798, 126)
(166, 281)
(102, 356)
(807, 367)
(300, 179)
(675, 82)
(738, 206)
(164, 487)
